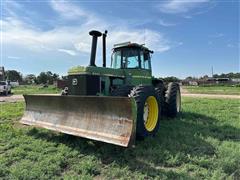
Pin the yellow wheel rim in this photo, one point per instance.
(150, 115)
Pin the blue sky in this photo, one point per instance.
(188, 37)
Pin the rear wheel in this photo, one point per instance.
(148, 110)
(160, 90)
(173, 100)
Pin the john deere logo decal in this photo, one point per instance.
(74, 82)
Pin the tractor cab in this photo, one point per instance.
(131, 56)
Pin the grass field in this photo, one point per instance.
(213, 90)
(35, 89)
(202, 143)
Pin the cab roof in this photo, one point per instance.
(129, 44)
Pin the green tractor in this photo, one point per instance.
(115, 104)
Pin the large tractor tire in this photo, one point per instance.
(172, 100)
(160, 90)
(148, 110)
(122, 91)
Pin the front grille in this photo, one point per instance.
(83, 84)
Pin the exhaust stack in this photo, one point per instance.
(95, 35)
(104, 35)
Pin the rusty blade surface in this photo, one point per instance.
(107, 119)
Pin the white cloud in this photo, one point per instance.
(68, 51)
(229, 45)
(210, 43)
(166, 24)
(13, 57)
(217, 35)
(179, 6)
(152, 39)
(180, 43)
(68, 10)
(72, 39)
(83, 46)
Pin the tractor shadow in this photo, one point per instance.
(157, 156)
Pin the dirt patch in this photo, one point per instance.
(211, 96)
(16, 98)
(183, 90)
(11, 98)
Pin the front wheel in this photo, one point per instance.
(148, 110)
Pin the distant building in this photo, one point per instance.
(211, 81)
(61, 84)
(236, 80)
(193, 83)
(2, 74)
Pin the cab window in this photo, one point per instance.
(116, 60)
(130, 58)
(145, 60)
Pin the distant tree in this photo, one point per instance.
(64, 78)
(190, 78)
(205, 77)
(223, 75)
(14, 75)
(47, 77)
(42, 78)
(55, 77)
(30, 79)
(233, 75)
(171, 79)
(228, 75)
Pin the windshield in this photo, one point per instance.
(130, 58)
(2, 83)
(125, 58)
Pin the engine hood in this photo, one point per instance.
(91, 70)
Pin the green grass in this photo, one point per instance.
(228, 90)
(202, 143)
(35, 89)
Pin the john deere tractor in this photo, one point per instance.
(115, 104)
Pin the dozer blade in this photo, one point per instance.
(107, 119)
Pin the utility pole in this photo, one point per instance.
(212, 71)
(144, 36)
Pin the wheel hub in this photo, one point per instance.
(150, 115)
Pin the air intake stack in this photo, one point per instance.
(104, 35)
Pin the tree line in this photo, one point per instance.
(228, 75)
(48, 77)
(43, 78)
